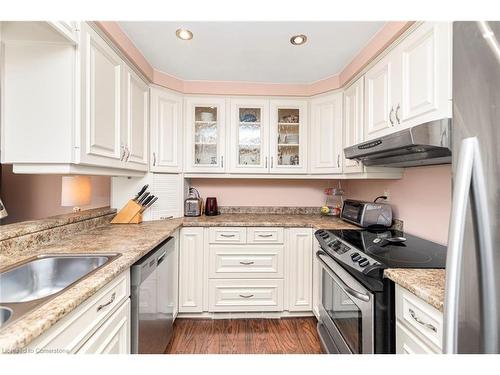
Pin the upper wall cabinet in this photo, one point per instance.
(288, 136)
(326, 154)
(412, 84)
(249, 136)
(166, 131)
(87, 109)
(353, 122)
(205, 134)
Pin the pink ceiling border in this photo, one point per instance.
(380, 41)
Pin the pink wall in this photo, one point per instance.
(30, 197)
(256, 192)
(422, 199)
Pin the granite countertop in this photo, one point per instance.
(427, 284)
(133, 242)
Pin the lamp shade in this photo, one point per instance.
(76, 191)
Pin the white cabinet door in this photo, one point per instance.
(113, 337)
(326, 134)
(299, 276)
(136, 120)
(205, 134)
(353, 122)
(426, 74)
(379, 97)
(166, 131)
(101, 96)
(288, 136)
(249, 136)
(191, 277)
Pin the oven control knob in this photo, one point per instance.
(355, 257)
(364, 263)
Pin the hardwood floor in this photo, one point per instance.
(245, 336)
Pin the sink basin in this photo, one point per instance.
(5, 314)
(45, 276)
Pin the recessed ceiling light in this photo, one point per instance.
(184, 34)
(298, 40)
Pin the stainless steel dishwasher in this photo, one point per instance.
(152, 281)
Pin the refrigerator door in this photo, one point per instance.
(472, 269)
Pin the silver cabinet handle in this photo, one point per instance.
(272, 161)
(470, 184)
(338, 160)
(122, 152)
(246, 295)
(154, 159)
(390, 116)
(265, 235)
(266, 162)
(128, 153)
(420, 321)
(227, 235)
(246, 263)
(396, 114)
(222, 161)
(100, 307)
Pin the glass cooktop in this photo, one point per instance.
(395, 249)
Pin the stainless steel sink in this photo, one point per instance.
(28, 284)
(5, 314)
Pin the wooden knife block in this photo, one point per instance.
(129, 214)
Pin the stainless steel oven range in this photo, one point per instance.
(356, 312)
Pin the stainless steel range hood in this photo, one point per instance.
(425, 144)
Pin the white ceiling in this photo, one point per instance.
(251, 51)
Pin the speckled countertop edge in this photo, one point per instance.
(133, 242)
(428, 284)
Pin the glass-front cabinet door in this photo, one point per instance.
(205, 132)
(288, 136)
(249, 134)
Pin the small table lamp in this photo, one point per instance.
(75, 191)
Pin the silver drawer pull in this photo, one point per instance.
(246, 296)
(100, 307)
(265, 235)
(421, 322)
(246, 263)
(227, 235)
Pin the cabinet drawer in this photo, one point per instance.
(74, 329)
(265, 235)
(227, 235)
(408, 343)
(113, 337)
(245, 295)
(246, 261)
(419, 317)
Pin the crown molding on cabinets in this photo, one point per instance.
(385, 37)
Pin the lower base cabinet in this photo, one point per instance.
(239, 269)
(99, 325)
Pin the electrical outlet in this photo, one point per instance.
(387, 193)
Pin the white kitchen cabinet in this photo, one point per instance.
(426, 74)
(205, 134)
(412, 83)
(166, 131)
(113, 337)
(326, 152)
(419, 326)
(191, 270)
(100, 324)
(353, 122)
(288, 136)
(77, 122)
(174, 270)
(300, 257)
(136, 122)
(381, 87)
(249, 136)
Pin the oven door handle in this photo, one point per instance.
(354, 293)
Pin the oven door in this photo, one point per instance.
(346, 310)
